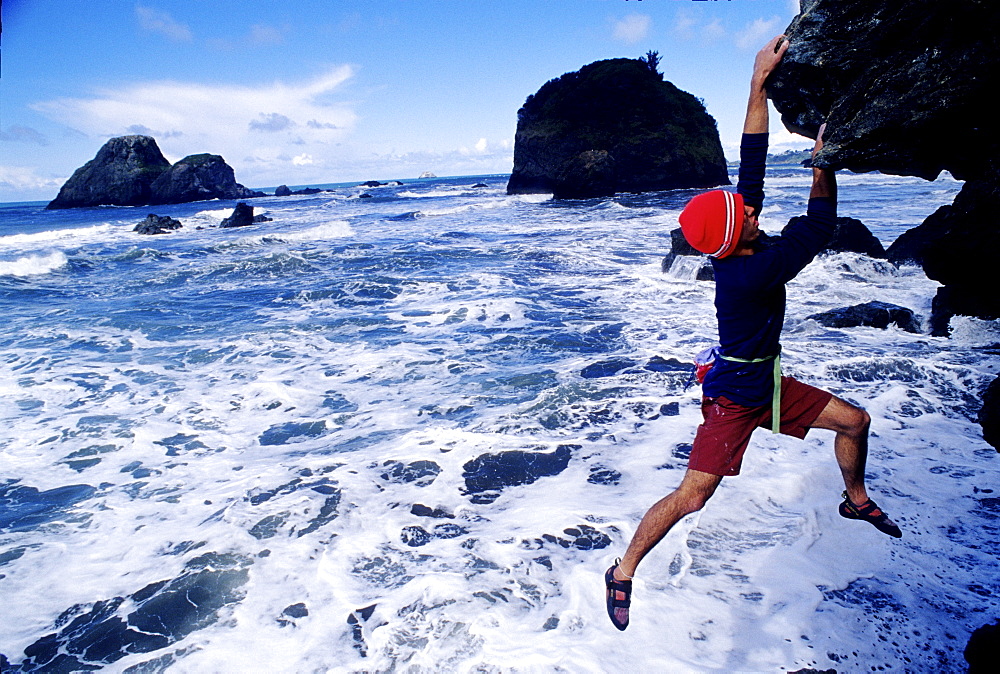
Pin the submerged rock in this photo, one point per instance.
(157, 224)
(91, 636)
(486, 475)
(614, 126)
(871, 314)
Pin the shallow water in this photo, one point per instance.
(409, 433)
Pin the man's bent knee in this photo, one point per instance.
(843, 417)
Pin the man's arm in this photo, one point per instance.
(824, 180)
(767, 60)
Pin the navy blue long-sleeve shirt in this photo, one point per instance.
(750, 289)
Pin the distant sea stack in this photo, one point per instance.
(131, 171)
(614, 126)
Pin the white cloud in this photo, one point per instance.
(236, 121)
(755, 34)
(160, 22)
(303, 160)
(688, 27)
(632, 28)
(25, 179)
(481, 145)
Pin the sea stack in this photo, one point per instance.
(131, 171)
(614, 126)
(120, 175)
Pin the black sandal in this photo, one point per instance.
(618, 594)
(869, 512)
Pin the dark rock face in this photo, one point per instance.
(157, 224)
(852, 236)
(614, 126)
(902, 85)
(131, 171)
(196, 178)
(983, 650)
(679, 246)
(904, 88)
(871, 314)
(282, 191)
(243, 216)
(989, 414)
(121, 174)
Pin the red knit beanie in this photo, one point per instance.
(713, 221)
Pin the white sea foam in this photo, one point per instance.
(263, 400)
(46, 238)
(33, 265)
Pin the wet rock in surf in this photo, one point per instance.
(157, 224)
(90, 636)
(415, 536)
(291, 614)
(242, 216)
(583, 537)
(687, 258)
(282, 434)
(603, 475)
(870, 314)
(24, 508)
(486, 475)
(852, 236)
(606, 368)
(989, 414)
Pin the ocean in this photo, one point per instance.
(408, 432)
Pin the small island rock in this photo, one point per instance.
(121, 174)
(614, 126)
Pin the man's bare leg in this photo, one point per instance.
(851, 424)
(695, 489)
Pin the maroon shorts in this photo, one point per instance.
(723, 438)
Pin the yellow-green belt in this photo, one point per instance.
(776, 395)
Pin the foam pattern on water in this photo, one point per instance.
(410, 432)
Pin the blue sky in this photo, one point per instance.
(303, 91)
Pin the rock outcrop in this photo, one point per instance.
(121, 174)
(852, 236)
(905, 88)
(196, 178)
(614, 126)
(157, 224)
(131, 171)
(989, 414)
(870, 314)
(242, 216)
